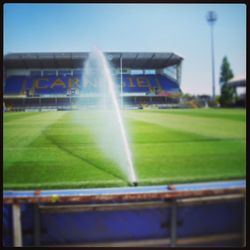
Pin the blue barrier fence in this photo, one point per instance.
(208, 220)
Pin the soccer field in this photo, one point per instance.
(47, 150)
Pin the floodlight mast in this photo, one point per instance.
(211, 19)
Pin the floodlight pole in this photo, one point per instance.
(211, 18)
(121, 92)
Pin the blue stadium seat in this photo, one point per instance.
(14, 85)
(154, 83)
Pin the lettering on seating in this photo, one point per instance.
(37, 84)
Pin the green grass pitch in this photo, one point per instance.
(47, 150)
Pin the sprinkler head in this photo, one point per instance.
(133, 184)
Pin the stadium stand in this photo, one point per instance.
(14, 85)
(53, 85)
(52, 80)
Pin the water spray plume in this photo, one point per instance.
(111, 134)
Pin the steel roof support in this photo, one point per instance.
(121, 92)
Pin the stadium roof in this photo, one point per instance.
(239, 81)
(136, 60)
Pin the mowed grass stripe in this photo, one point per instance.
(204, 126)
(60, 162)
(231, 114)
(184, 156)
(22, 131)
(19, 133)
(178, 162)
(20, 115)
(150, 133)
(62, 153)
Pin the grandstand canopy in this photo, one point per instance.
(134, 60)
(237, 82)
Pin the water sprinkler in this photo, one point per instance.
(133, 184)
(113, 119)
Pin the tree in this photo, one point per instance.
(226, 73)
(227, 95)
(227, 92)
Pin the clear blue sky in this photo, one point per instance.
(178, 28)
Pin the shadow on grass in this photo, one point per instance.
(71, 152)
